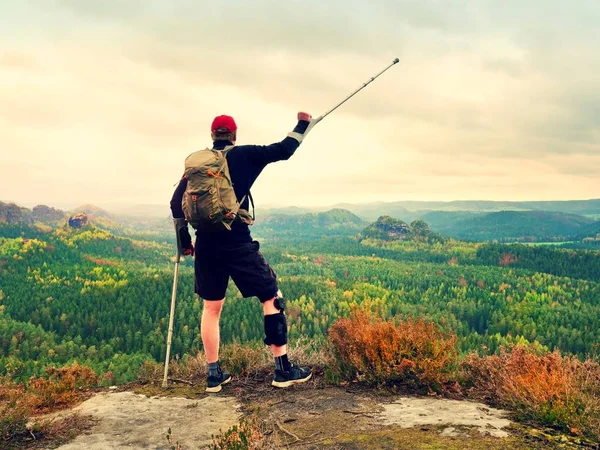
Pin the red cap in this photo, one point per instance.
(224, 124)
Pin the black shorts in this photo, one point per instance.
(244, 264)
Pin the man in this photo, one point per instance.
(233, 253)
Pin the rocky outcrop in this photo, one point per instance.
(78, 220)
(12, 213)
(386, 228)
(328, 417)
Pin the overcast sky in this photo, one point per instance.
(101, 101)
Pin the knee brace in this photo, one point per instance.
(275, 329)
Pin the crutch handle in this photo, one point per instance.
(312, 123)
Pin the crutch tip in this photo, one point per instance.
(396, 61)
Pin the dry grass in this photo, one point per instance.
(250, 361)
(187, 368)
(150, 372)
(245, 361)
(411, 353)
(241, 360)
(319, 354)
(557, 390)
(248, 435)
(61, 388)
(235, 358)
(61, 431)
(15, 408)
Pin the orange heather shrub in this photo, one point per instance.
(19, 402)
(557, 390)
(64, 385)
(411, 352)
(15, 408)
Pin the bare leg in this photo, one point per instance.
(210, 328)
(268, 309)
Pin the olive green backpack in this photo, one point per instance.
(209, 201)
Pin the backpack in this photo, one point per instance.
(209, 201)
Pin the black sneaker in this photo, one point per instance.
(214, 383)
(296, 374)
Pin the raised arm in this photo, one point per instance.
(264, 154)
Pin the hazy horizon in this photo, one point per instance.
(101, 102)
(120, 207)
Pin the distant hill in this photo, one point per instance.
(336, 222)
(510, 225)
(443, 221)
(371, 211)
(11, 213)
(517, 225)
(93, 211)
(45, 218)
(406, 210)
(43, 213)
(154, 211)
(591, 231)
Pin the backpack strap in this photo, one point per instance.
(252, 203)
(224, 152)
(249, 197)
(226, 149)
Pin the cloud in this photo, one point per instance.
(489, 99)
(576, 165)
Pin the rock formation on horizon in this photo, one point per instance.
(78, 220)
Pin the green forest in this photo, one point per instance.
(102, 298)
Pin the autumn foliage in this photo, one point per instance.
(413, 353)
(557, 390)
(15, 408)
(506, 259)
(61, 388)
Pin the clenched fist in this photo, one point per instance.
(304, 116)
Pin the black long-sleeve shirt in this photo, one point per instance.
(246, 162)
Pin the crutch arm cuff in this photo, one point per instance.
(300, 131)
(184, 240)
